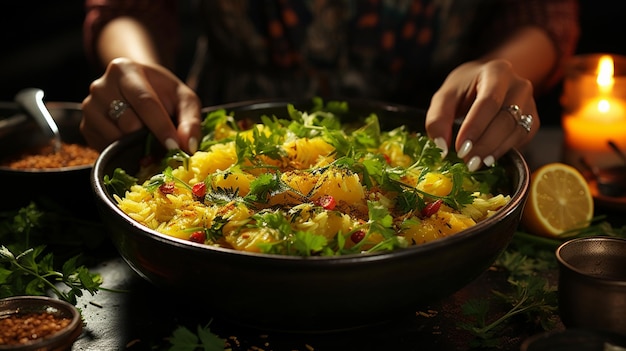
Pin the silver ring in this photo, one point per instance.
(526, 121)
(116, 109)
(515, 111)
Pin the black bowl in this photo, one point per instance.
(67, 188)
(315, 293)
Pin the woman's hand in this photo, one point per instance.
(146, 95)
(497, 107)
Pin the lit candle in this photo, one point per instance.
(598, 118)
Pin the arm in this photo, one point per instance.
(146, 31)
(126, 37)
(512, 73)
(121, 37)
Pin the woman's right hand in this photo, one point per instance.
(151, 96)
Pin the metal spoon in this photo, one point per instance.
(613, 181)
(610, 181)
(31, 100)
(619, 152)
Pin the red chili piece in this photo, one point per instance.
(167, 188)
(199, 189)
(244, 124)
(387, 159)
(357, 236)
(432, 208)
(198, 237)
(327, 202)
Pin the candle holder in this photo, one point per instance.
(594, 111)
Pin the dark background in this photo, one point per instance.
(42, 47)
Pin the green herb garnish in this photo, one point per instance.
(27, 266)
(529, 293)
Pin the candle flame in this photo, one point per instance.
(604, 106)
(605, 73)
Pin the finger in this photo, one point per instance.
(499, 138)
(128, 121)
(440, 115)
(502, 132)
(189, 119)
(439, 122)
(145, 103)
(491, 90)
(97, 128)
(118, 113)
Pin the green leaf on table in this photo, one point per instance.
(30, 273)
(183, 339)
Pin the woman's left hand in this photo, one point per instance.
(497, 108)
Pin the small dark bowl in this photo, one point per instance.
(611, 181)
(592, 284)
(58, 341)
(573, 339)
(307, 294)
(68, 187)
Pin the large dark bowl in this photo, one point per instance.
(67, 188)
(316, 293)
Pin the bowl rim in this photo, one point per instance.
(70, 106)
(518, 198)
(12, 305)
(566, 265)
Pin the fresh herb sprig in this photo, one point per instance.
(32, 273)
(27, 267)
(529, 293)
(183, 339)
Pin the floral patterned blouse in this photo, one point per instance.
(392, 50)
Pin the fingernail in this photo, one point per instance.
(171, 144)
(473, 164)
(489, 161)
(441, 143)
(193, 144)
(466, 147)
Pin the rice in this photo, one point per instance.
(302, 188)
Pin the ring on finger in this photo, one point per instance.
(515, 111)
(117, 108)
(526, 121)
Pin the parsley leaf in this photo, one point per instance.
(27, 266)
(30, 273)
(183, 339)
(120, 182)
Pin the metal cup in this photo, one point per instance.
(592, 284)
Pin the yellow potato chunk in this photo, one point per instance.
(340, 184)
(437, 184)
(234, 181)
(441, 224)
(304, 152)
(219, 157)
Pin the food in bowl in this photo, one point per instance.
(38, 323)
(309, 185)
(305, 293)
(46, 186)
(23, 328)
(44, 157)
